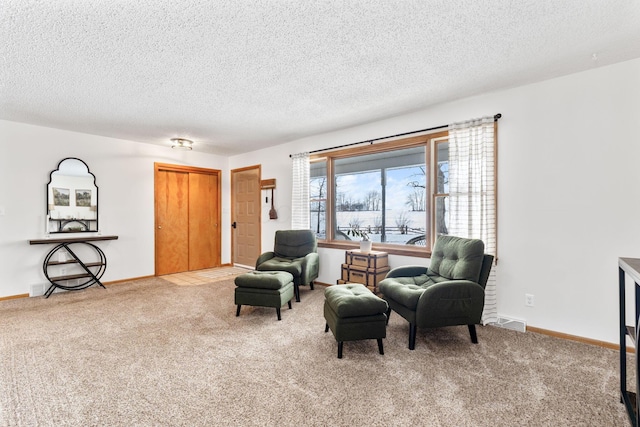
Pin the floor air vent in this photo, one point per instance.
(513, 324)
(36, 290)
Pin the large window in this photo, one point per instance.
(396, 192)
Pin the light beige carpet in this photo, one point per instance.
(150, 353)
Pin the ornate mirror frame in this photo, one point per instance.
(72, 198)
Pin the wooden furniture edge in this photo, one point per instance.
(71, 239)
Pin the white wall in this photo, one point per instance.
(568, 192)
(124, 175)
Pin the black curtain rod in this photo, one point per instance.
(371, 141)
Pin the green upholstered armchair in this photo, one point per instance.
(450, 292)
(294, 251)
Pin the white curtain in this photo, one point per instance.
(300, 192)
(472, 193)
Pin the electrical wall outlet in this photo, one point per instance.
(528, 300)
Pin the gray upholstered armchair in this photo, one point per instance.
(450, 292)
(294, 251)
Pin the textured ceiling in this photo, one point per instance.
(239, 75)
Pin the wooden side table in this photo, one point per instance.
(365, 268)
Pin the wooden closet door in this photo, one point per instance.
(172, 222)
(187, 218)
(203, 208)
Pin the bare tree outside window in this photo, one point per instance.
(416, 200)
(402, 222)
(441, 205)
(377, 224)
(318, 202)
(372, 201)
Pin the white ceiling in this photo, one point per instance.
(238, 75)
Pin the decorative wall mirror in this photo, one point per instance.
(72, 198)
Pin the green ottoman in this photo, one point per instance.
(264, 289)
(353, 312)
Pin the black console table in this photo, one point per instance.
(631, 267)
(88, 272)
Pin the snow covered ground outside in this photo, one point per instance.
(368, 220)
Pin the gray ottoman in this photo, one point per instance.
(353, 312)
(264, 289)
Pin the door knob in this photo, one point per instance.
(234, 225)
(159, 226)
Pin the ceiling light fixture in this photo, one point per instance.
(181, 144)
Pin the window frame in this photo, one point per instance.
(429, 142)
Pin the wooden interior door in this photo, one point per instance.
(187, 231)
(246, 215)
(172, 221)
